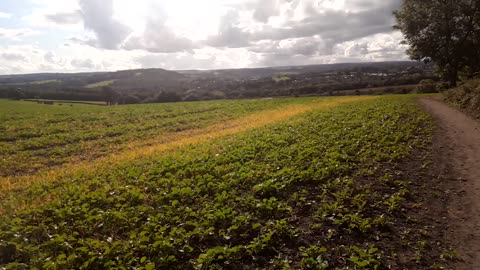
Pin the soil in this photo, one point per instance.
(456, 173)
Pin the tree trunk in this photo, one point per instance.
(452, 77)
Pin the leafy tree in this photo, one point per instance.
(109, 94)
(445, 32)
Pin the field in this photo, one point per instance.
(45, 82)
(306, 183)
(100, 84)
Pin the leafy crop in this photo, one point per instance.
(313, 192)
(35, 136)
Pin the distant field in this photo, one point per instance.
(62, 102)
(281, 79)
(306, 183)
(32, 83)
(45, 82)
(100, 84)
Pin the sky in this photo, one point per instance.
(107, 35)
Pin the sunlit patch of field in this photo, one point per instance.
(45, 82)
(100, 84)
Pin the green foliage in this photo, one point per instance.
(466, 97)
(35, 136)
(427, 86)
(445, 32)
(287, 196)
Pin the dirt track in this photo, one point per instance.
(456, 151)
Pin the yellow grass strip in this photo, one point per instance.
(171, 142)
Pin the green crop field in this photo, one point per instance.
(308, 183)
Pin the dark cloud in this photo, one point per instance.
(65, 17)
(98, 17)
(229, 33)
(339, 26)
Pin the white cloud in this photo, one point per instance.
(98, 17)
(4, 15)
(54, 14)
(72, 17)
(16, 34)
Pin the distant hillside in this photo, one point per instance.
(258, 73)
(147, 76)
(160, 85)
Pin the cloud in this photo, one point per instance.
(16, 33)
(207, 58)
(230, 34)
(356, 49)
(306, 46)
(118, 34)
(174, 61)
(158, 38)
(74, 58)
(298, 19)
(4, 15)
(49, 57)
(98, 17)
(54, 15)
(265, 9)
(83, 63)
(13, 56)
(73, 17)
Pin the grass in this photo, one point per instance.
(270, 184)
(100, 84)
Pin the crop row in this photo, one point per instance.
(315, 192)
(36, 136)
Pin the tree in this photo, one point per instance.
(109, 94)
(444, 32)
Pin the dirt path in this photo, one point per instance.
(457, 160)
